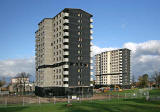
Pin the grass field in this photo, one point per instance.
(122, 105)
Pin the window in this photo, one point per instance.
(59, 33)
(56, 70)
(60, 39)
(59, 51)
(59, 70)
(51, 44)
(79, 83)
(79, 52)
(80, 39)
(78, 14)
(79, 27)
(79, 33)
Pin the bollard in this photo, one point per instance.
(68, 99)
(54, 100)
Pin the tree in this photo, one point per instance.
(156, 78)
(22, 79)
(2, 82)
(143, 81)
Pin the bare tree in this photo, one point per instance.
(156, 78)
(22, 79)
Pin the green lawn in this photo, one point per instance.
(134, 105)
(155, 92)
(122, 105)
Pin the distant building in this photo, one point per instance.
(113, 67)
(4, 90)
(19, 80)
(18, 83)
(63, 54)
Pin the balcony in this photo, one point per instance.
(91, 61)
(91, 20)
(91, 31)
(91, 84)
(66, 21)
(65, 72)
(66, 14)
(65, 59)
(65, 79)
(65, 53)
(65, 40)
(91, 37)
(65, 85)
(65, 66)
(66, 34)
(66, 47)
(91, 26)
(65, 27)
(91, 67)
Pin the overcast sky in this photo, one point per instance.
(132, 24)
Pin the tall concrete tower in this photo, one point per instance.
(63, 54)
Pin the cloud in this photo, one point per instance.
(9, 68)
(97, 50)
(145, 57)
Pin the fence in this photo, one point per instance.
(6, 101)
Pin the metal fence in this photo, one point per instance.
(116, 97)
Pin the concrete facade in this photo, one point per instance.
(113, 67)
(63, 51)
